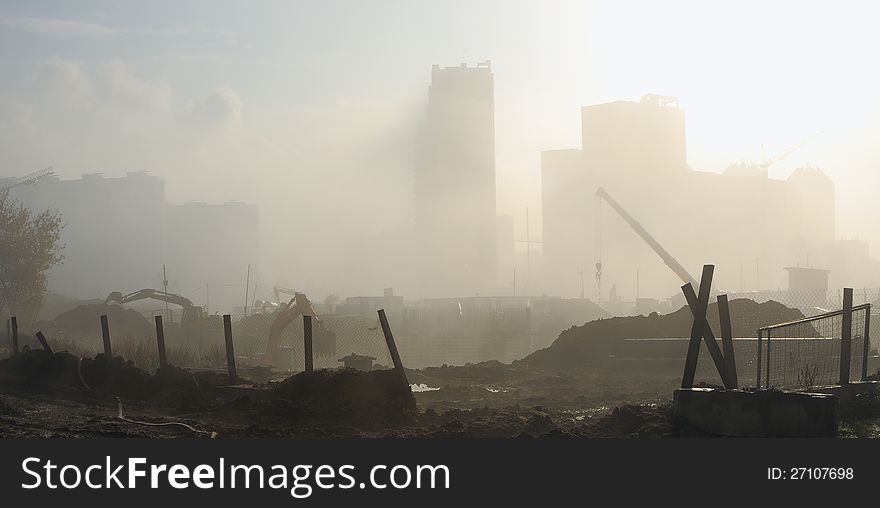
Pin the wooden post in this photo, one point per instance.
(307, 343)
(9, 335)
(392, 348)
(697, 328)
(758, 383)
(846, 336)
(727, 341)
(708, 336)
(14, 323)
(230, 349)
(105, 333)
(160, 342)
(867, 348)
(767, 374)
(43, 342)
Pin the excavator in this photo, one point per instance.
(298, 306)
(191, 313)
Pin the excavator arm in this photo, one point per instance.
(298, 306)
(667, 258)
(190, 311)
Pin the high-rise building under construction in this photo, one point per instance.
(455, 183)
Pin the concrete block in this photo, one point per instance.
(765, 413)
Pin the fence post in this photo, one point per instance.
(160, 342)
(307, 343)
(767, 374)
(865, 352)
(760, 334)
(392, 348)
(846, 336)
(230, 349)
(44, 342)
(105, 333)
(727, 341)
(14, 321)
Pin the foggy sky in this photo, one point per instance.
(308, 109)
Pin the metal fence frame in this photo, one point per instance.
(766, 332)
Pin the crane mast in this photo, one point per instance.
(667, 258)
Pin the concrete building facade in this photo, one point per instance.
(749, 225)
(455, 184)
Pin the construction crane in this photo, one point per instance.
(764, 166)
(27, 179)
(191, 313)
(667, 258)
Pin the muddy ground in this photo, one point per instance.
(43, 395)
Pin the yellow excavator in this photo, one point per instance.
(190, 313)
(298, 306)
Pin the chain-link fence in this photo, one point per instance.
(337, 341)
(334, 337)
(822, 350)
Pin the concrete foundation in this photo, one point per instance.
(846, 394)
(766, 413)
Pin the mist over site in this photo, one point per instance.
(522, 187)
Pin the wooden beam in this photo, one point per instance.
(14, 323)
(160, 342)
(105, 334)
(846, 336)
(44, 342)
(392, 348)
(698, 307)
(230, 348)
(307, 343)
(727, 341)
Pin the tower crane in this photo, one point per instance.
(27, 179)
(764, 166)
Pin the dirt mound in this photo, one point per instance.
(348, 394)
(115, 376)
(644, 420)
(593, 342)
(39, 370)
(85, 320)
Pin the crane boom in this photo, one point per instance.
(667, 258)
(190, 311)
(28, 179)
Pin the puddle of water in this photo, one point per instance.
(496, 390)
(423, 388)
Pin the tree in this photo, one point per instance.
(30, 244)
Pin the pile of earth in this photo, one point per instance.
(642, 420)
(593, 342)
(63, 373)
(376, 396)
(40, 371)
(85, 321)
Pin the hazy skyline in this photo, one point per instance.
(280, 103)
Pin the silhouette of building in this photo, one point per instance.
(120, 231)
(749, 225)
(455, 183)
(112, 232)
